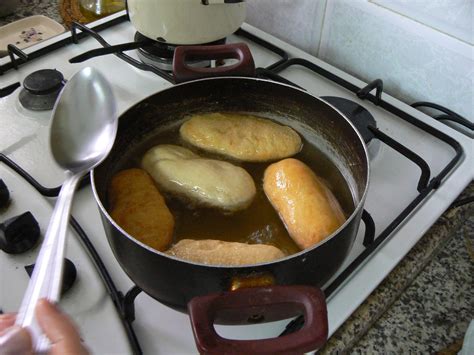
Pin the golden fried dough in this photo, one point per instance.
(138, 207)
(166, 151)
(207, 182)
(218, 252)
(306, 206)
(242, 137)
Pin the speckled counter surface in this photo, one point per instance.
(426, 303)
(34, 7)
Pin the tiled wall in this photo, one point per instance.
(422, 49)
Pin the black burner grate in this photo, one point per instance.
(358, 115)
(425, 185)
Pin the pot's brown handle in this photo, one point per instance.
(183, 72)
(250, 305)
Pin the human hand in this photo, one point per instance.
(57, 326)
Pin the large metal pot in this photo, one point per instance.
(176, 282)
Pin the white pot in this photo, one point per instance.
(186, 21)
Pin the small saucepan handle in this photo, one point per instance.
(251, 305)
(240, 51)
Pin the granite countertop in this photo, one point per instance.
(424, 305)
(48, 8)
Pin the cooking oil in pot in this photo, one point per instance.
(257, 224)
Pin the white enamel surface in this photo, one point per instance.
(185, 21)
(161, 330)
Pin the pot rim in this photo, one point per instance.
(355, 212)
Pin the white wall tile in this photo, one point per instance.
(297, 22)
(415, 62)
(453, 17)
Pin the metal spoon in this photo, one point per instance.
(82, 132)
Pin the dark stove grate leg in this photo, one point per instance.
(14, 50)
(377, 84)
(407, 153)
(369, 235)
(128, 303)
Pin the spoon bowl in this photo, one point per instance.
(84, 122)
(83, 128)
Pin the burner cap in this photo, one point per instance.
(358, 115)
(43, 82)
(41, 89)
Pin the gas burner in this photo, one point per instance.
(160, 54)
(41, 89)
(361, 118)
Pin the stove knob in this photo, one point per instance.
(69, 274)
(4, 194)
(19, 234)
(41, 89)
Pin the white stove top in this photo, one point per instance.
(160, 330)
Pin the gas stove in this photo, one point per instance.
(418, 167)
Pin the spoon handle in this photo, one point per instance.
(47, 274)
